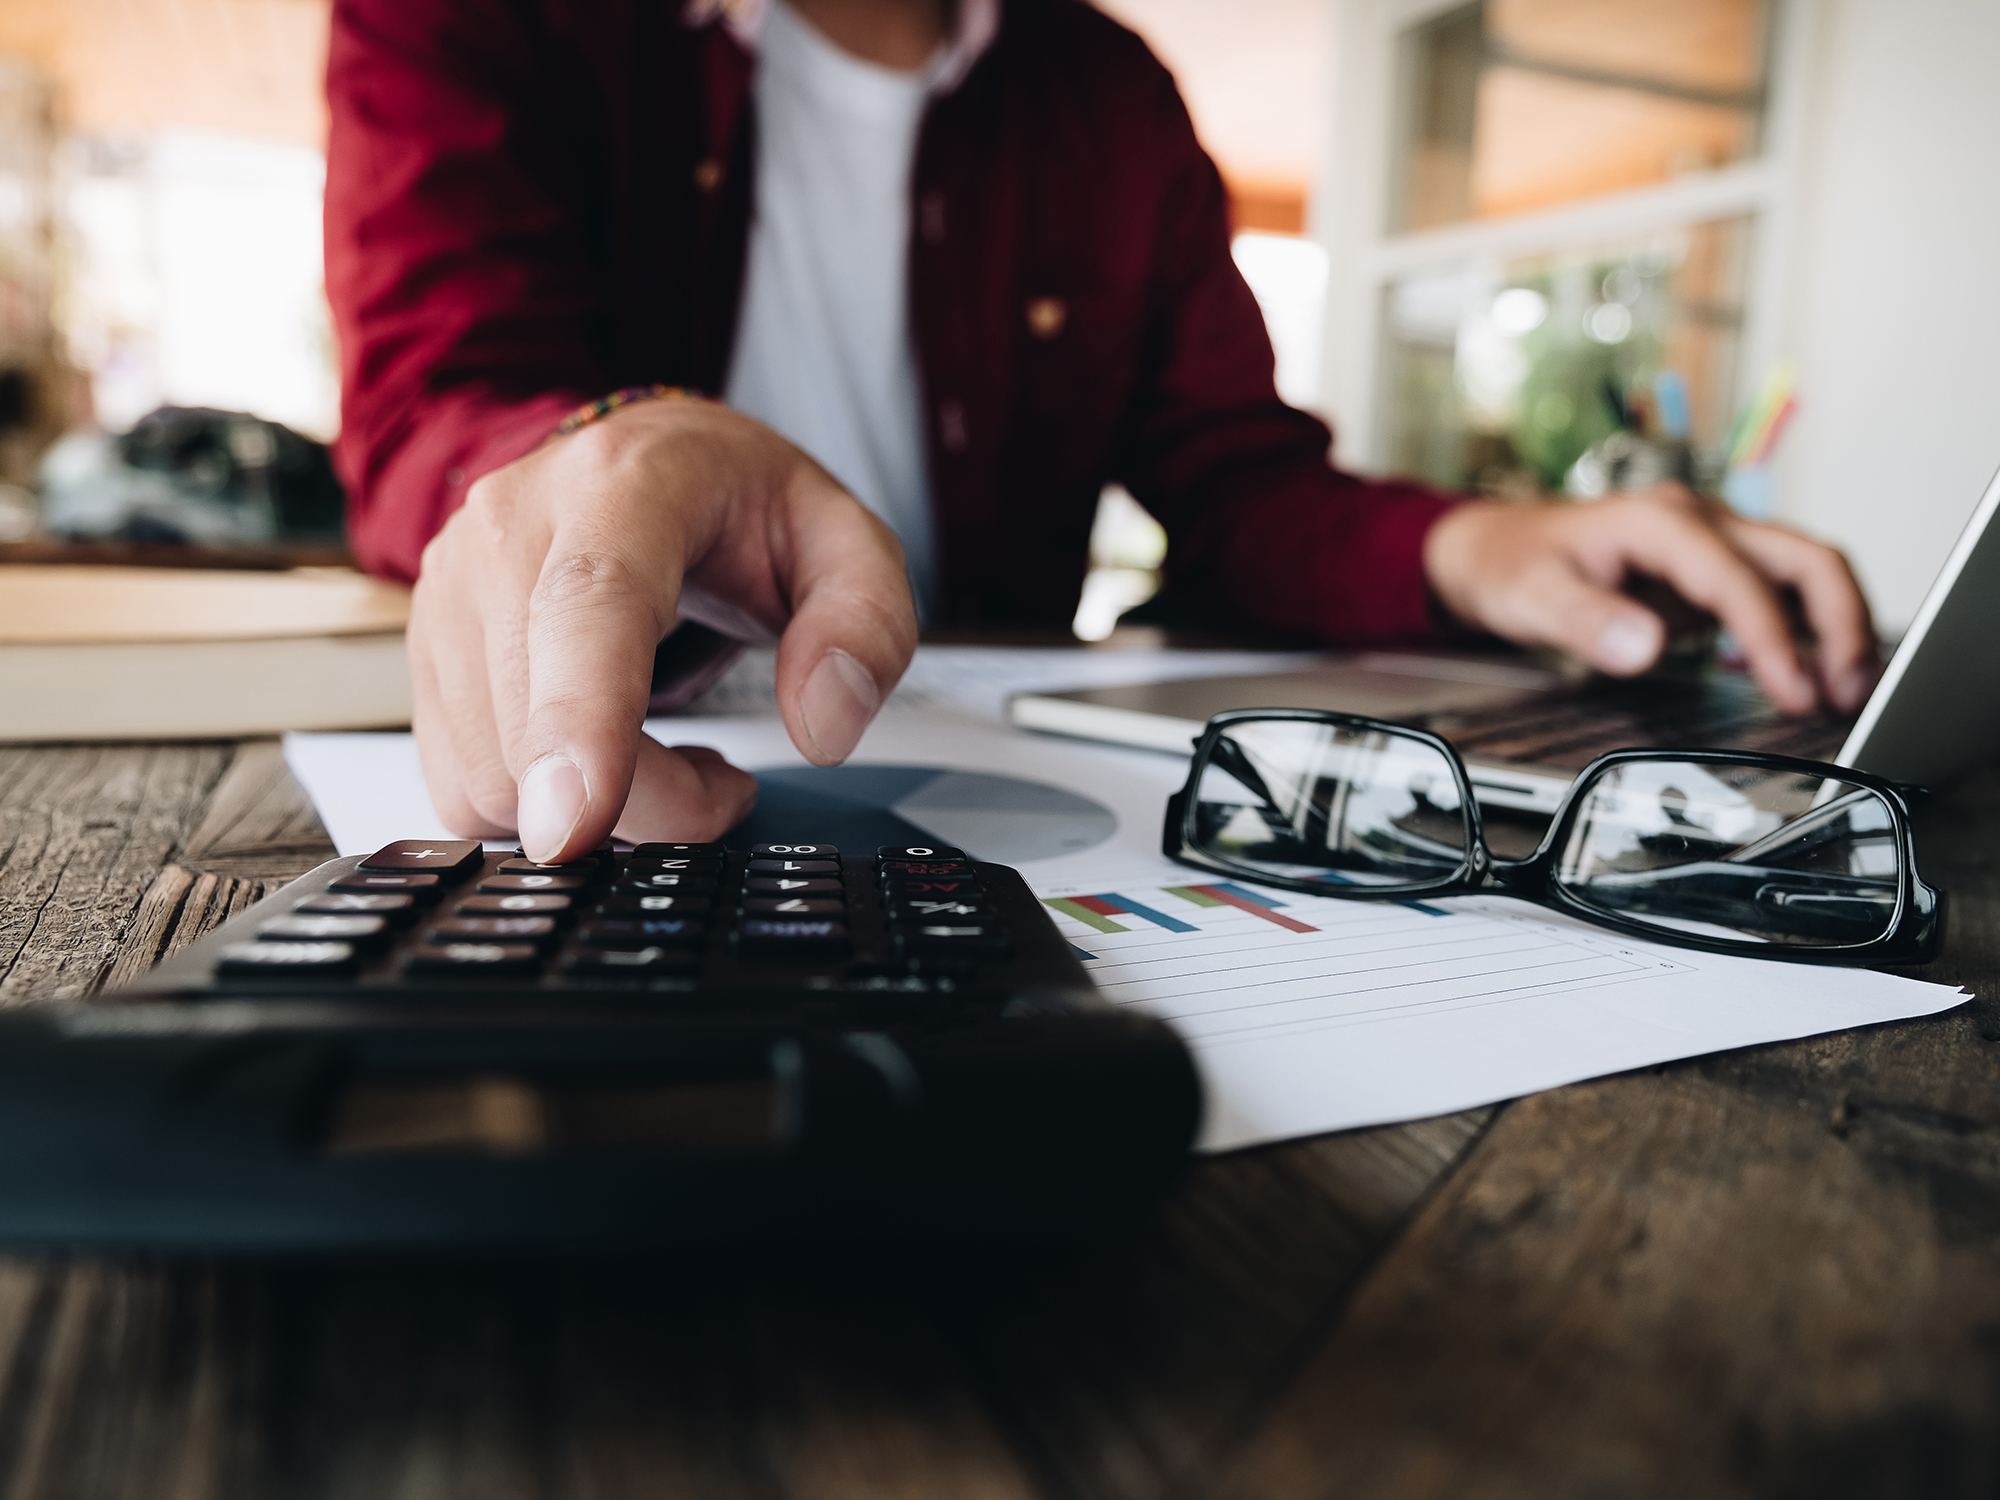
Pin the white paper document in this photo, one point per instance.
(1305, 1013)
(980, 679)
(1308, 1014)
(1096, 803)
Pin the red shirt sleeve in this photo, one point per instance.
(460, 289)
(1262, 530)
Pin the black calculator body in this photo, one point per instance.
(444, 1047)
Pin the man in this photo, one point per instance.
(970, 259)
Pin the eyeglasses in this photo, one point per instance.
(1725, 850)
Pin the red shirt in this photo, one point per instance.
(532, 202)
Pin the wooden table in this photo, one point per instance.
(1775, 1272)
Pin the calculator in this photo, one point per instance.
(442, 1046)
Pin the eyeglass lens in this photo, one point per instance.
(1731, 851)
(1311, 800)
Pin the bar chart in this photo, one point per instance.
(1228, 963)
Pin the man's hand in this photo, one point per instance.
(1551, 574)
(541, 601)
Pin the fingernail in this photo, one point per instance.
(837, 705)
(1628, 644)
(553, 798)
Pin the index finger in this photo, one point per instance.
(594, 620)
(1692, 556)
(853, 627)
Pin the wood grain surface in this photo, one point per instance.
(1775, 1272)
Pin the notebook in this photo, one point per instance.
(172, 653)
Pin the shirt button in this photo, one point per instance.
(1046, 316)
(930, 217)
(951, 426)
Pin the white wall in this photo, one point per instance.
(1896, 317)
(1253, 73)
(194, 277)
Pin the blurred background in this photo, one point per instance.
(1513, 246)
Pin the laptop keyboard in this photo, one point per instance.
(1724, 711)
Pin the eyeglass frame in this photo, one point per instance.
(1914, 935)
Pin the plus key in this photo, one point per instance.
(446, 857)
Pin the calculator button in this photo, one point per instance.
(677, 851)
(921, 851)
(792, 885)
(473, 958)
(284, 958)
(938, 909)
(791, 937)
(677, 865)
(494, 930)
(651, 959)
(901, 890)
(519, 905)
(528, 885)
(395, 909)
(666, 881)
(443, 857)
(422, 888)
(617, 931)
(630, 903)
(587, 868)
(323, 930)
(917, 869)
(803, 906)
(955, 940)
(794, 851)
(601, 855)
(794, 867)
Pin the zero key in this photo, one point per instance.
(931, 852)
(446, 858)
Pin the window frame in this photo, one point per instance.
(1351, 211)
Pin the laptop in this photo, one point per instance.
(1525, 729)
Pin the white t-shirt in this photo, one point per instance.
(823, 353)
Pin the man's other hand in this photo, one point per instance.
(1552, 574)
(541, 602)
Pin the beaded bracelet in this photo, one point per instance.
(603, 406)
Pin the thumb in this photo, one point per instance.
(1607, 629)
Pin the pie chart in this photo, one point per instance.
(861, 808)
